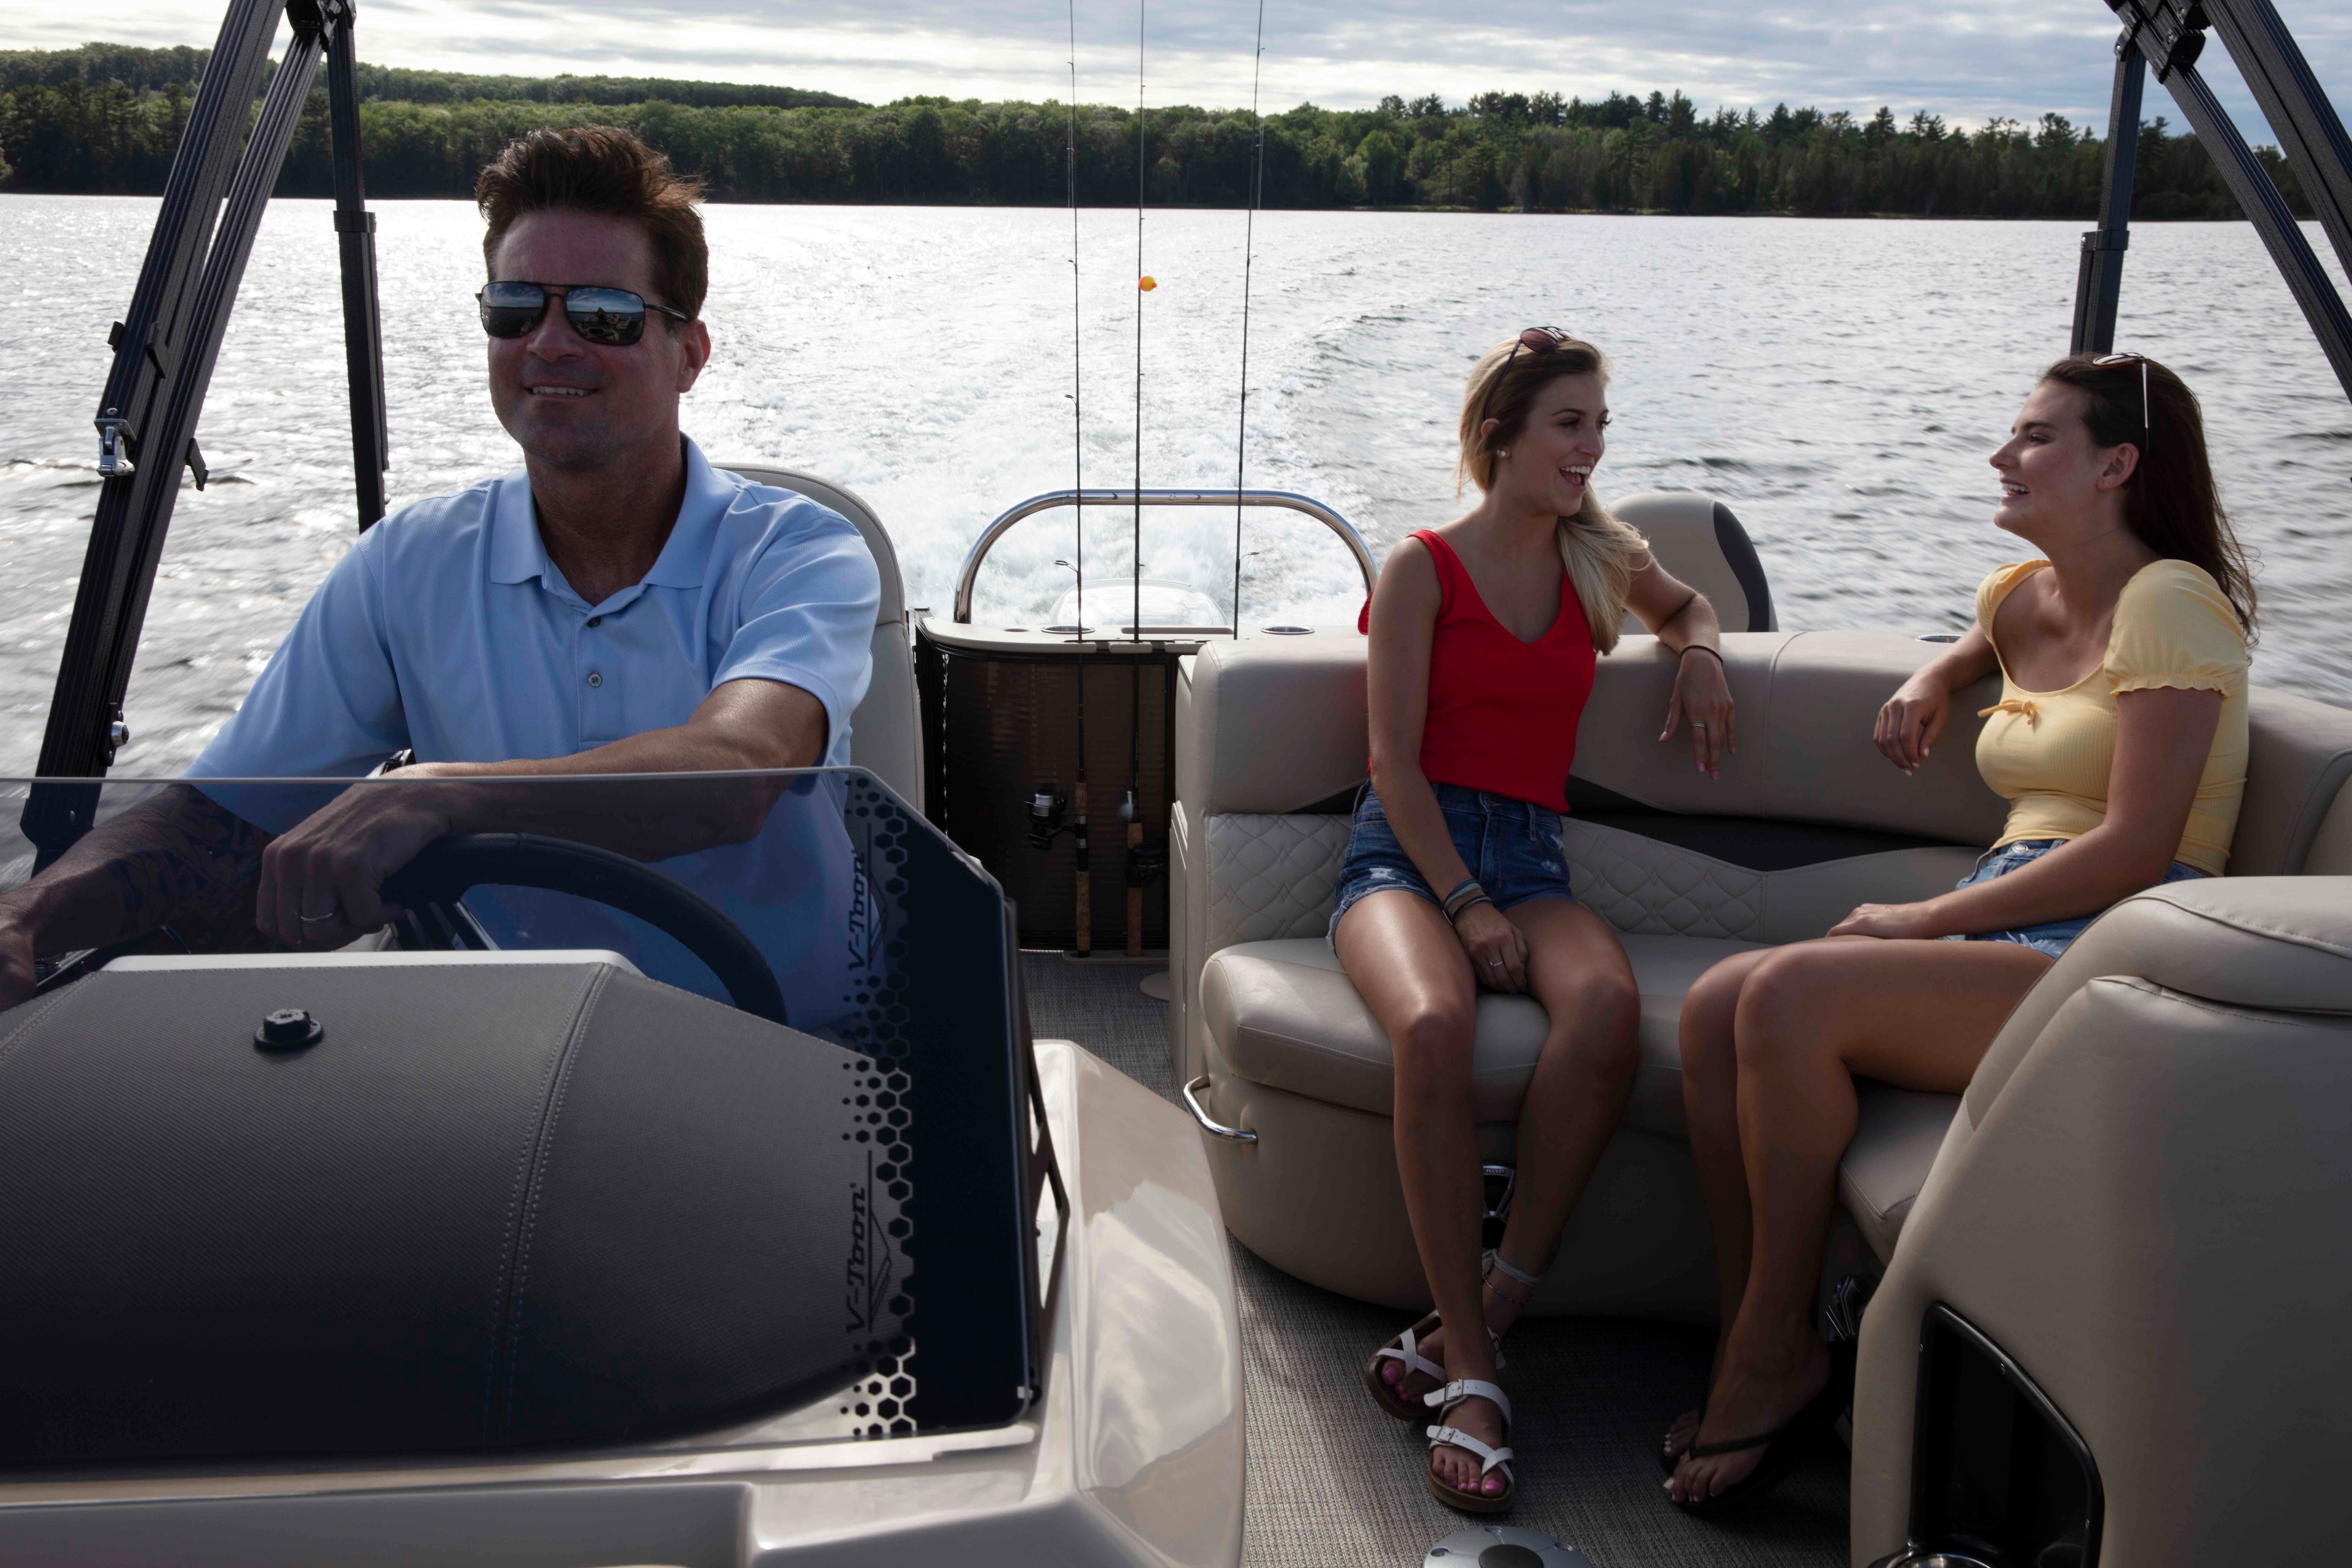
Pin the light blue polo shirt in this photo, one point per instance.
(446, 629)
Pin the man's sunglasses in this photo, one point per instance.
(1536, 340)
(2109, 361)
(614, 318)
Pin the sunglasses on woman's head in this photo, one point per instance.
(611, 317)
(1536, 340)
(2108, 362)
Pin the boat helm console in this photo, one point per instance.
(541, 1166)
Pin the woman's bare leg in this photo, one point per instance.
(1711, 1113)
(1411, 973)
(1578, 970)
(1809, 1019)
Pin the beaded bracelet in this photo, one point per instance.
(1467, 905)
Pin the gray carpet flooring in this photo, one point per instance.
(1333, 1483)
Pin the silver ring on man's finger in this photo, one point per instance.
(1698, 724)
(319, 920)
(1494, 963)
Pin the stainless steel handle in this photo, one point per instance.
(1214, 1129)
(1052, 498)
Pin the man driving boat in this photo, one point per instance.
(617, 606)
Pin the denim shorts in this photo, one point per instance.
(1512, 846)
(2050, 937)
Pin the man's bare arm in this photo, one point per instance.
(321, 883)
(179, 855)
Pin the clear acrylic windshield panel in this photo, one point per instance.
(816, 900)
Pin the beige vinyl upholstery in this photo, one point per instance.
(1697, 539)
(1270, 744)
(885, 732)
(2143, 1204)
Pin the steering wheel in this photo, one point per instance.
(446, 868)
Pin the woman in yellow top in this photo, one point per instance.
(2120, 743)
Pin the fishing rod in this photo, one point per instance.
(1137, 870)
(1249, 236)
(1082, 839)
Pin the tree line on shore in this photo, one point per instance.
(105, 119)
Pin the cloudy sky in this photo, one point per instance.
(1965, 59)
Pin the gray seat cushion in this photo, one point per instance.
(1284, 1014)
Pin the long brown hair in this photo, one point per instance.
(1602, 554)
(2170, 503)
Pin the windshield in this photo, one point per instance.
(815, 899)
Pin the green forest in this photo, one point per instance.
(105, 119)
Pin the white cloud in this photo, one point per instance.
(2018, 57)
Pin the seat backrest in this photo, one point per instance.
(2296, 818)
(884, 737)
(1696, 537)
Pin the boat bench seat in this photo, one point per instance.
(1804, 822)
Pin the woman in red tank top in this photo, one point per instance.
(1484, 637)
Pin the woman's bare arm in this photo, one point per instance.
(2163, 737)
(1405, 604)
(1682, 618)
(1915, 715)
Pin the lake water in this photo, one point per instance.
(1838, 383)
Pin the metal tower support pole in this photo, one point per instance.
(179, 315)
(2171, 34)
(2099, 283)
(355, 238)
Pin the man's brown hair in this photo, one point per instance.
(601, 168)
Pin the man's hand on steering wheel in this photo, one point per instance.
(321, 883)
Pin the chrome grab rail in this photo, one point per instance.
(1213, 1128)
(1052, 499)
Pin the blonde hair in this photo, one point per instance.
(1602, 555)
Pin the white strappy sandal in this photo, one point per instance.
(1406, 1348)
(1490, 1458)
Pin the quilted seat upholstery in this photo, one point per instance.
(1272, 875)
(1646, 888)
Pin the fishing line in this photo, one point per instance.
(1143, 285)
(1249, 234)
(1078, 413)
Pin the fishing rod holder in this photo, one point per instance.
(1052, 500)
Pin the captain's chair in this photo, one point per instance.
(884, 737)
(1696, 537)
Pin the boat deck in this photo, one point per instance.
(1335, 1484)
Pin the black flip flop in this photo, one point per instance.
(1789, 1442)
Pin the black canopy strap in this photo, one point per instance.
(2170, 34)
(164, 352)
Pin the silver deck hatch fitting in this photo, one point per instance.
(1502, 1546)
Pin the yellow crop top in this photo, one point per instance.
(2048, 753)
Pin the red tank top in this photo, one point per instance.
(1502, 712)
